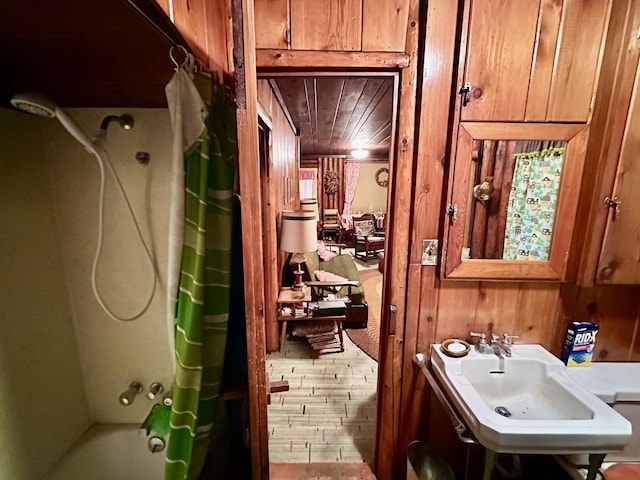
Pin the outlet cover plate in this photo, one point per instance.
(430, 252)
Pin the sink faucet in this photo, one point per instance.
(500, 347)
(496, 346)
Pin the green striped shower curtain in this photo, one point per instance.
(202, 307)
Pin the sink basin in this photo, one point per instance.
(527, 403)
(522, 389)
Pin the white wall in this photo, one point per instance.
(368, 192)
(113, 354)
(42, 402)
(63, 361)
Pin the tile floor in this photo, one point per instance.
(329, 412)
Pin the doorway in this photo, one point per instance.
(333, 115)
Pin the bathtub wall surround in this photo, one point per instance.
(114, 354)
(61, 345)
(40, 376)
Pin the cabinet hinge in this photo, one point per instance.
(613, 203)
(452, 211)
(464, 91)
(593, 101)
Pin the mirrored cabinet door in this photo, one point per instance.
(513, 196)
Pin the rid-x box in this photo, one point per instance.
(579, 343)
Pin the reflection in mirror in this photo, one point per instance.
(512, 207)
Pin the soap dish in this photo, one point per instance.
(454, 347)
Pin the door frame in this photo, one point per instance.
(267, 74)
(399, 226)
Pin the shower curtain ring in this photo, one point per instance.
(184, 52)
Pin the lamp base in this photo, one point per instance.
(297, 282)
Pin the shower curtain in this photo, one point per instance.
(533, 199)
(203, 120)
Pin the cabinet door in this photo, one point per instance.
(513, 200)
(532, 60)
(272, 24)
(326, 25)
(619, 261)
(384, 25)
(498, 59)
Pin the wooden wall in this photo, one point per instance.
(335, 200)
(207, 28)
(332, 25)
(430, 309)
(280, 186)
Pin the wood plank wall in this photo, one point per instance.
(332, 25)
(437, 309)
(325, 200)
(281, 176)
(207, 28)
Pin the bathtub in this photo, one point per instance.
(109, 452)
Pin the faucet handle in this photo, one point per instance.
(506, 338)
(495, 338)
(482, 336)
(155, 389)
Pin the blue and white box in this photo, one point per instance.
(579, 343)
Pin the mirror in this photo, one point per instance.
(514, 190)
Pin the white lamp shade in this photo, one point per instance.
(310, 204)
(298, 231)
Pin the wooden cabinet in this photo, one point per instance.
(272, 24)
(620, 257)
(332, 25)
(326, 25)
(513, 200)
(607, 246)
(531, 60)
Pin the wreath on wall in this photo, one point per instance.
(380, 180)
(330, 182)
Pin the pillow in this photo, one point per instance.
(324, 253)
(323, 276)
(363, 228)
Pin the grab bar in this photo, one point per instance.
(458, 425)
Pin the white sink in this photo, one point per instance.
(527, 403)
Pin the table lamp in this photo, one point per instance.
(310, 204)
(298, 234)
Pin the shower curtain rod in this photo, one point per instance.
(152, 9)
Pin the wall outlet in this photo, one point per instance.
(429, 252)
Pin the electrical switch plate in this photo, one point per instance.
(429, 252)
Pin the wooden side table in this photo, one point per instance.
(289, 298)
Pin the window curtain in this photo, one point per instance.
(533, 199)
(202, 294)
(308, 185)
(351, 174)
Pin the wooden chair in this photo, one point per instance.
(368, 242)
(331, 224)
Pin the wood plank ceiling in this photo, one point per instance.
(86, 53)
(338, 114)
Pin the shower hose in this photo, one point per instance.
(96, 151)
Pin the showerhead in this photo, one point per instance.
(37, 104)
(124, 120)
(34, 103)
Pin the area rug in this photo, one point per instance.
(368, 339)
